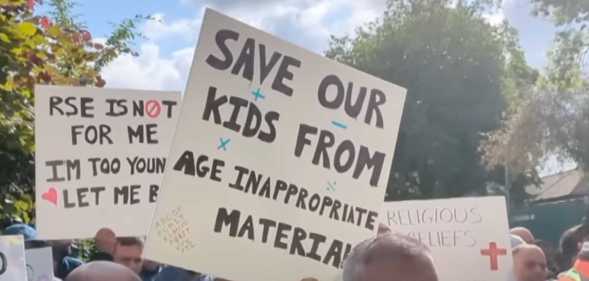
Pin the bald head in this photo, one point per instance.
(523, 233)
(389, 257)
(102, 270)
(529, 263)
(105, 240)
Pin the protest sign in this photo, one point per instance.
(12, 257)
(100, 157)
(280, 160)
(39, 264)
(468, 237)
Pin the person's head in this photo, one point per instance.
(529, 263)
(102, 270)
(551, 254)
(128, 251)
(524, 234)
(569, 246)
(389, 257)
(105, 240)
(582, 234)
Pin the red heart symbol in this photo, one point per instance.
(50, 195)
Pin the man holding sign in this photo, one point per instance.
(280, 160)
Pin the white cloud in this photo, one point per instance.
(497, 16)
(99, 40)
(159, 28)
(150, 70)
(307, 23)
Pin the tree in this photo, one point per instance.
(35, 49)
(563, 12)
(456, 68)
(553, 118)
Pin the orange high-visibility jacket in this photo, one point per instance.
(579, 272)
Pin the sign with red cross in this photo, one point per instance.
(468, 237)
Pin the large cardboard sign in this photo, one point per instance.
(39, 264)
(279, 163)
(12, 258)
(100, 157)
(469, 237)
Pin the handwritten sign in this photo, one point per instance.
(100, 158)
(469, 234)
(280, 160)
(12, 257)
(39, 264)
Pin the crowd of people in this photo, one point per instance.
(536, 260)
(386, 257)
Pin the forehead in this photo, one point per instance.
(128, 249)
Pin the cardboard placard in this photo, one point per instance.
(468, 237)
(280, 160)
(12, 258)
(39, 264)
(100, 157)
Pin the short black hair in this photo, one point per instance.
(569, 241)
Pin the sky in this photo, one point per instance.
(165, 54)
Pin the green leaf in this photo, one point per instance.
(26, 29)
(54, 31)
(4, 38)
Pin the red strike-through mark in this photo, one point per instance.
(153, 108)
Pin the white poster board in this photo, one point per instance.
(39, 264)
(469, 237)
(271, 175)
(100, 157)
(12, 258)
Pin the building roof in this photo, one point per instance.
(564, 184)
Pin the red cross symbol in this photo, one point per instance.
(493, 252)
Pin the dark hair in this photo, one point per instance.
(551, 255)
(130, 241)
(569, 245)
